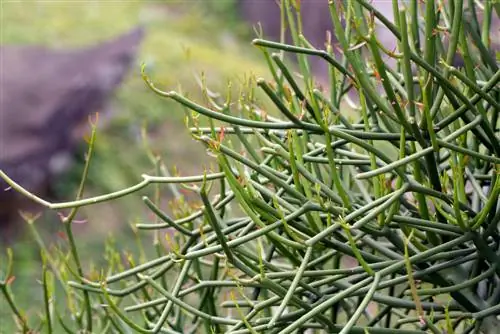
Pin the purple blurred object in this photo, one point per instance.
(316, 22)
(46, 95)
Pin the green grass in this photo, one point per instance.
(183, 39)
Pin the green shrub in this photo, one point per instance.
(405, 185)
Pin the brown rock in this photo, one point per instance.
(45, 96)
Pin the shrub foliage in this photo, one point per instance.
(375, 215)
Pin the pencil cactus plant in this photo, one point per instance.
(376, 216)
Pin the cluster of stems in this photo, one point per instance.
(379, 215)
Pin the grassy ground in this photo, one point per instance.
(183, 39)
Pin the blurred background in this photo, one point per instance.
(181, 40)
